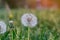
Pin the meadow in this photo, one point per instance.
(48, 27)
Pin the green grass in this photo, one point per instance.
(48, 27)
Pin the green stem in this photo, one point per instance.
(0, 37)
(28, 33)
(12, 34)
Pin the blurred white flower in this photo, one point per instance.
(29, 20)
(2, 27)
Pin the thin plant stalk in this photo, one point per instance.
(7, 8)
(0, 37)
(12, 34)
(28, 33)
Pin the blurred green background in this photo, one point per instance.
(48, 27)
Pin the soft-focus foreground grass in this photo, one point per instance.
(48, 27)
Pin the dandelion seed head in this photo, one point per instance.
(2, 27)
(29, 20)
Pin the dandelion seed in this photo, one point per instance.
(29, 20)
(2, 27)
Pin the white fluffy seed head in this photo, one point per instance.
(2, 27)
(29, 20)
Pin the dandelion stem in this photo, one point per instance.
(12, 34)
(28, 33)
(0, 37)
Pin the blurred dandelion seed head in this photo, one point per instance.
(2, 27)
(29, 19)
